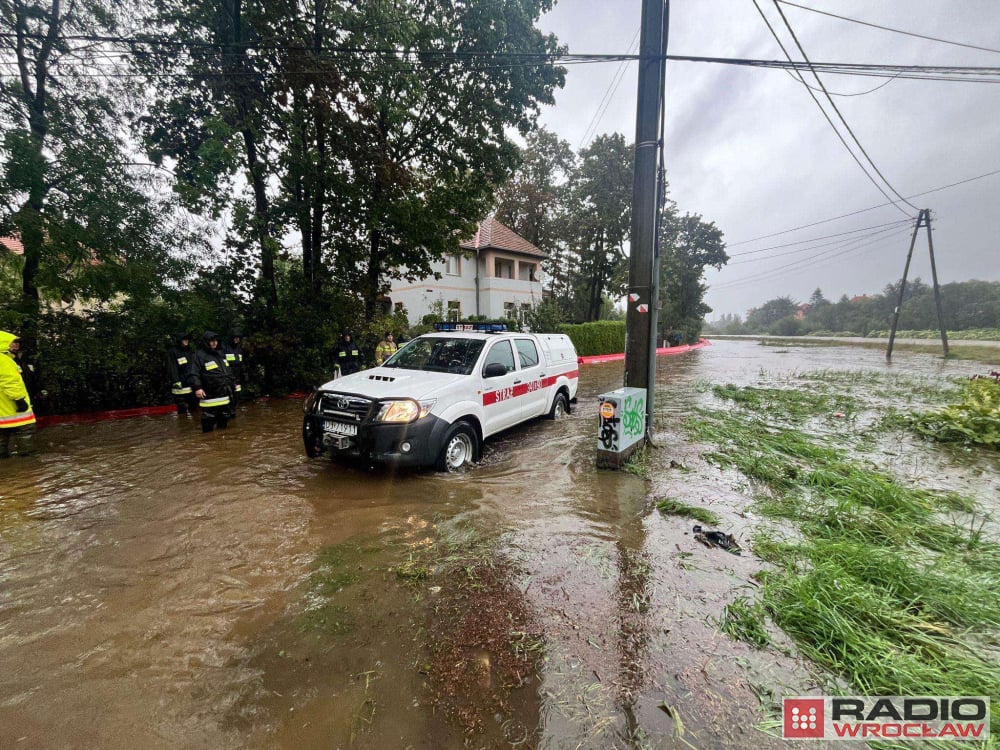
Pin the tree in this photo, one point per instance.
(431, 147)
(69, 185)
(211, 116)
(760, 318)
(688, 245)
(598, 222)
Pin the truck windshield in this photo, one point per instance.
(456, 355)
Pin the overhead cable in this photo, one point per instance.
(862, 210)
(889, 28)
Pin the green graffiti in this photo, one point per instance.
(633, 416)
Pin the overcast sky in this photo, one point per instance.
(748, 149)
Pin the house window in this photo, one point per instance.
(398, 307)
(528, 271)
(509, 310)
(453, 265)
(454, 310)
(524, 312)
(503, 269)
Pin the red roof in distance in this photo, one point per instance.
(493, 235)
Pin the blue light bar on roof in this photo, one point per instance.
(472, 327)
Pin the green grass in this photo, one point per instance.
(889, 586)
(974, 420)
(673, 507)
(743, 620)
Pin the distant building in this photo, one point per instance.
(497, 275)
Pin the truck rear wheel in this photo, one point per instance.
(560, 406)
(459, 450)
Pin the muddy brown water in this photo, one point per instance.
(156, 584)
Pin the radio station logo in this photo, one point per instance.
(868, 718)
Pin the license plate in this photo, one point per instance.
(340, 428)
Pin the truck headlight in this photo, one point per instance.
(404, 410)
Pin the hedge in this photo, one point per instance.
(602, 337)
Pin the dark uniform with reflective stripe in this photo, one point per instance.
(347, 355)
(179, 361)
(234, 358)
(211, 375)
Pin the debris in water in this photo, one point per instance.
(711, 538)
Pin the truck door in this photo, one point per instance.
(500, 407)
(531, 375)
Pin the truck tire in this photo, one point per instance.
(560, 406)
(460, 448)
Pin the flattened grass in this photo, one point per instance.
(673, 507)
(889, 586)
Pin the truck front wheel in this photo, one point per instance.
(459, 450)
(311, 438)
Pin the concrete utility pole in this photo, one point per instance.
(640, 328)
(923, 220)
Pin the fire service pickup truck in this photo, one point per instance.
(436, 400)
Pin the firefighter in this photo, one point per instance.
(234, 358)
(179, 361)
(17, 418)
(212, 382)
(347, 355)
(385, 349)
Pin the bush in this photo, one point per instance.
(602, 337)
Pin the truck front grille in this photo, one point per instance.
(344, 408)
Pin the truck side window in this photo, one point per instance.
(502, 353)
(527, 352)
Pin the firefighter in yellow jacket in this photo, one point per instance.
(17, 420)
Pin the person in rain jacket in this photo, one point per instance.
(347, 355)
(234, 358)
(17, 419)
(385, 349)
(212, 382)
(179, 361)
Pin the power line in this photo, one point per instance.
(817, 239)
(889, 28)
(836, 109)
(608, 95)
(836, 243)
(804, 263)
(862, 210)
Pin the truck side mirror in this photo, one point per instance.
(494, 370)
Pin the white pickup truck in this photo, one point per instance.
(441, 395)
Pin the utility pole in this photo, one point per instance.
(923, 220)
(642, 306)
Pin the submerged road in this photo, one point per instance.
(160, 588)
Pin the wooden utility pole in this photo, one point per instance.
(923, 220)
(641, 306)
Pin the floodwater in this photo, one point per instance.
(158, 587)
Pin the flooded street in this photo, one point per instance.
(161, 588)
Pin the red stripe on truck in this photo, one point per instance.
(521, 389)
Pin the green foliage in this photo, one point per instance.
(878, 581)
(969, 306)
(975, 420)
(546, 318)
(743, 620)
(672, 507)
(688, 246)
(601, 337)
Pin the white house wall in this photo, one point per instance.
(419, 297)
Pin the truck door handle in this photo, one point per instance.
(517, 382)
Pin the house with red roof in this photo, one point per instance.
(497, 274)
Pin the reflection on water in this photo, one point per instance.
(154, 581)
